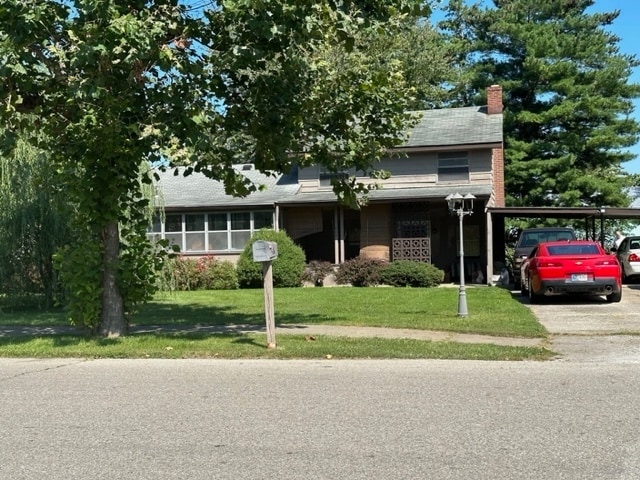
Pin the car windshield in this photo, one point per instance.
(573, 249)
(530, 239)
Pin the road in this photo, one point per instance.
(574, 418)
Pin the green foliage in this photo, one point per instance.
(567, 96)
(316, 271)
(32, 226)
(405, 273)
(205, 273)
(80, 269)
(113, 85)
(288, 268)
(360, 272)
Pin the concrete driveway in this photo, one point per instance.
(588, 329)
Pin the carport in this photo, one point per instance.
(594, 218)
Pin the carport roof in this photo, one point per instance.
(564, 212)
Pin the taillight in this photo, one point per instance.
(607, 262)
(634, 258)
(548, 263)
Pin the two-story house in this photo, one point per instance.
(455, 150)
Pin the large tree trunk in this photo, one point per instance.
(112, 321)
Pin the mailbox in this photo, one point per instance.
(264, 251)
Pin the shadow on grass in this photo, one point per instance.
(195, 314)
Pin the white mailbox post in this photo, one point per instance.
(265, 252)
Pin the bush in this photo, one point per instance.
(287, 268)
(205, 273)
(405, 273)
(360, 272)
(218, 275)
(316, 271)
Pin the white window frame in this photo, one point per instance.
(153, 233)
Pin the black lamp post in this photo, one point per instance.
(461, 206)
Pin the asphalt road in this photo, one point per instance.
(574, 418)
(220, 419)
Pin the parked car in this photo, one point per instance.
(528, 239)
(628, 254)
(571, 267)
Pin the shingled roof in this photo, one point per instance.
(198, 191)
(455, 126)
(446, 127)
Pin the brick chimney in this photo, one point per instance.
(494, 107)
(494, 99)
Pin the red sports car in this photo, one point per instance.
(568, 267)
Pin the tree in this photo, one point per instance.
(567, 96)
(115, 82)
(32, 225)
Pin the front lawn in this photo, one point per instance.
(492, 311)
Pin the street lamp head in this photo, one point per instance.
(454, 200)
(460, 204)
(468, 202)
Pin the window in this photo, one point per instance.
(210, 232)
(453, 167)
(194, 236)
(325, 178)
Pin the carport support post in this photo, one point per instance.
(267, 275)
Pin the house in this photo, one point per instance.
(455, 150)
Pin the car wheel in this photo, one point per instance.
(533, 298)
(615, 297)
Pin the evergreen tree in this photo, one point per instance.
(567, 96)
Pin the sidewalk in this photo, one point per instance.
(312, 330)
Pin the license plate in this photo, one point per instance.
(579, 277)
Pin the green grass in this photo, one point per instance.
(229, 346)
(492, 311)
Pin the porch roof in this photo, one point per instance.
(392, 194)
(198, 191)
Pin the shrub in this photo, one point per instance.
(205, 273)
(360, 272)
(405, 273)
(287, 268)
(316, 271)
(217, 275)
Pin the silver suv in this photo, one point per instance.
(529, 238)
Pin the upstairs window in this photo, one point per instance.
(453, 167)
(325, 178)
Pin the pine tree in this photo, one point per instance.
(568, 99)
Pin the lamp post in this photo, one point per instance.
(461, 206)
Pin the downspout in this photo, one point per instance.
(336, 237)
(341, 214)
(276, 215)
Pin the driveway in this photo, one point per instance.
(592, 330)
